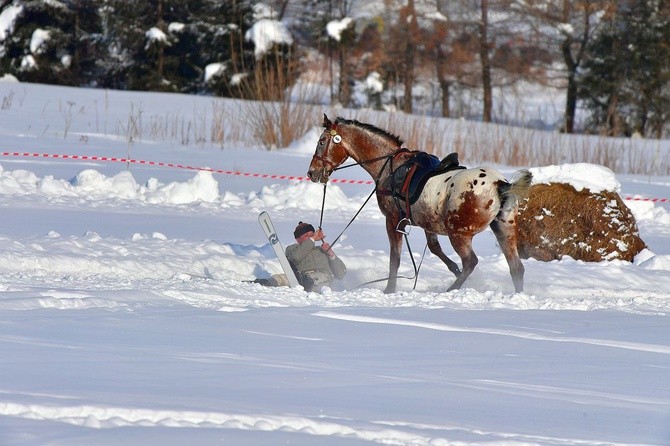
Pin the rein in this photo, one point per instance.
(389, 159)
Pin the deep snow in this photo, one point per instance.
(126, 318)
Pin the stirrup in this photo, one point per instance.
(406, 228)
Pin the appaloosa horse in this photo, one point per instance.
(458, 204)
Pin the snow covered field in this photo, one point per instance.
(125, 318)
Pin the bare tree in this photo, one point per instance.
(441, 66)
(439, 43)
(408, 16)
(484, 55)
(339, 10)
(569, 25)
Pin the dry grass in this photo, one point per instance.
(275, 124)
(556, 220)
(480, 143)
(279, 112)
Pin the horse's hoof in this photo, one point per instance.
(388, 290)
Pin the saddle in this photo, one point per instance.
(408, 180)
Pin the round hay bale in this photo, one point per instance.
(557, 220)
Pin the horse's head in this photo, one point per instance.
(330, 153)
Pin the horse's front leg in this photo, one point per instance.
(395, 242)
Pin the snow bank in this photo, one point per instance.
(91, 185)
(581, 176)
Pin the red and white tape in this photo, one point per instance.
(655, 200)
(177, 166)
(220, 171)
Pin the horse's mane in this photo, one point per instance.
(371, 128)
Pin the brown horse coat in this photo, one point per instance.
(458, 204)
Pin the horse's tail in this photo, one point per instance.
(517, 190)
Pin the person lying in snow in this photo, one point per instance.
(314, 266)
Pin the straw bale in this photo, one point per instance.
(556, 220)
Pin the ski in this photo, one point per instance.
(271, 234)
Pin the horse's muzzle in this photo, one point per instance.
(318, 175)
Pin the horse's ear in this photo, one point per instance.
(326, 122)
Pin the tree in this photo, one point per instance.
(124, 35)
(569, 26)
(262, 58)
(452, 46)
(438, 42)
(213, 36)
(484, 56)
(626, 80)
(340, 31)
(138, 39)
(88, 49)
(53, 42)
(408, 17)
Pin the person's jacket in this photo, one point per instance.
(307, 256)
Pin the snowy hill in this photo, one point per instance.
(126, 318)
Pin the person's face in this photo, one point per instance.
(305, 236)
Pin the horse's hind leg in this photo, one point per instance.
(463, 246)
(504, 227)
(436, 249)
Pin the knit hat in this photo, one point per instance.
(302, 229)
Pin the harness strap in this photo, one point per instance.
(326, 161)
(372, 160)
(405, 191)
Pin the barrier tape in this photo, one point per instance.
(220, 171)
(655, 200)
(177, 166)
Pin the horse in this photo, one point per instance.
(458, 203)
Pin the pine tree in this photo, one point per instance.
(250, 73)
(220, 28)
(626, 82)
(53, 42)
(138, 42)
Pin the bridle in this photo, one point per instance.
(334, 137)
